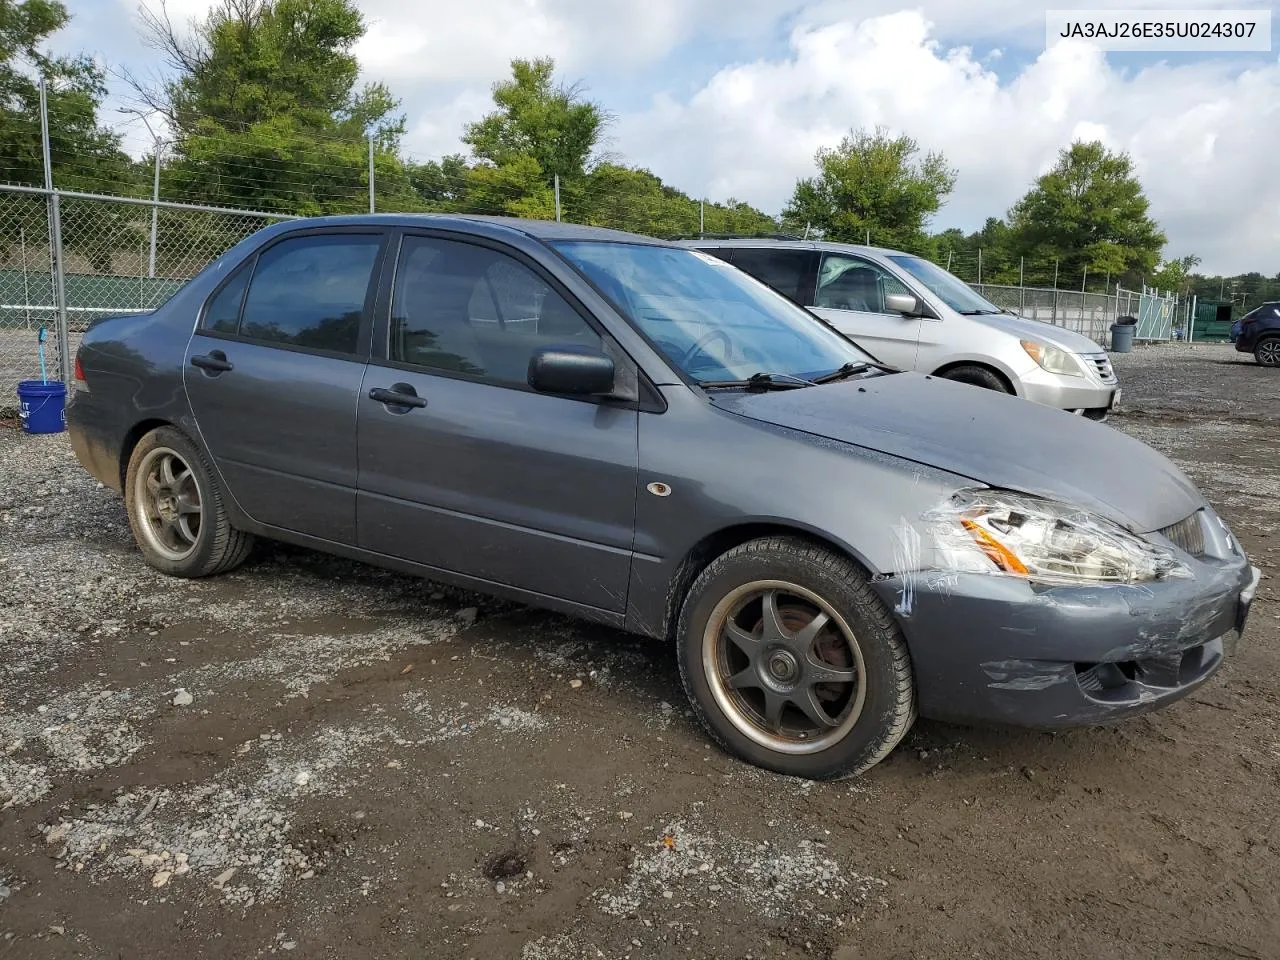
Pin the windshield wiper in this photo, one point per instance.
(852, 368)
(759, 381)
(980, 313)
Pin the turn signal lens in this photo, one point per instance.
(996, 551)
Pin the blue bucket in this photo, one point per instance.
(42, 406)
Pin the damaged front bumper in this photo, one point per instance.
(1002, 649)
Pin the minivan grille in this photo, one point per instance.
(1187, 535)
(1101, 363)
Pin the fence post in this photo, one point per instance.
(1191, 317)
(1022, 286)
(372, 201)
(1055, 291)
(26, 286)
(702, 218)
(979, 270)
(55, 242)
(948, 261)
(1083, 280)
(557, 188)
(155, 212)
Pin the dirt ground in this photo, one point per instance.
(314, 758)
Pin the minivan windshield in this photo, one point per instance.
(951, 290)
(711, 320)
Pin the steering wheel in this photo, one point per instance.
(704, 341)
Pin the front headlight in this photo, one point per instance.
(1053, 359)
(1001, 532)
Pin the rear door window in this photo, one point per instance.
(790, 272)
(310, 291)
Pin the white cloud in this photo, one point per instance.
(1201, 135)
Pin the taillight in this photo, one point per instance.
(79, 371)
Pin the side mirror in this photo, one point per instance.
(903, 303)
(571, 370)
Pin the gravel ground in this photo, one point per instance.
(316, 758)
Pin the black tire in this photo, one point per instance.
(977, 376)
(1267, 351)
(160, 511)
(863, 729)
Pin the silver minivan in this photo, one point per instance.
(915, 315)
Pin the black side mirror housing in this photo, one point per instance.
(571, 370)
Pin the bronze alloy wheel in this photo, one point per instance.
(784, 667)
(168, 501)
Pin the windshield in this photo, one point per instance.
(951, 290)
(711, 320)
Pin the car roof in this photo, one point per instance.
(539, 229)
(830, 245)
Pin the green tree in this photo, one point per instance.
(1176, 275)
(265, 111)
(1088, 213)
(84, 155)
(873, 182)
(537, 118)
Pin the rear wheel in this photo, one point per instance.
(792, 662)
(1267, 352)
(176, 511)
(977, 376)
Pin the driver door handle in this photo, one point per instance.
(397, 397)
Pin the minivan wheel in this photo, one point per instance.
(791, 661)
(978, 376)
(1267, 352)
(175, 509)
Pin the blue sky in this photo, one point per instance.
(732, 97)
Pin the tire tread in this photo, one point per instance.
(839, 568)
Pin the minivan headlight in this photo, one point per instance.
(1053, 359)
(1013, 534)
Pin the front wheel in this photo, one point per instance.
(1267, 352)
(977, 376)
(175, 509)
(791, 661)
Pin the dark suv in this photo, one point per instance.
(1258, 332)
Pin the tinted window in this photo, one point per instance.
(310, 291)
(851, 283)
(790, 272)
(712, 321)
(223, 312)
(469, 309)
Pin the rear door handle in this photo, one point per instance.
(400, 395)
(215, 361)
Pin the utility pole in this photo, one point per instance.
(979, 267)
(702, 218)
(155, 210)
(1084, 279)
(948, 261)
(557, 189)
(372, 197)
(55, 241)
(157, 143)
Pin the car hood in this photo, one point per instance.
(994, 438)
(1026, 329)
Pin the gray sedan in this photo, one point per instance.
(639, 434)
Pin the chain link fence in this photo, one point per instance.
(27, 297)
(110, 265)
(1091, 314)
(125, 255)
